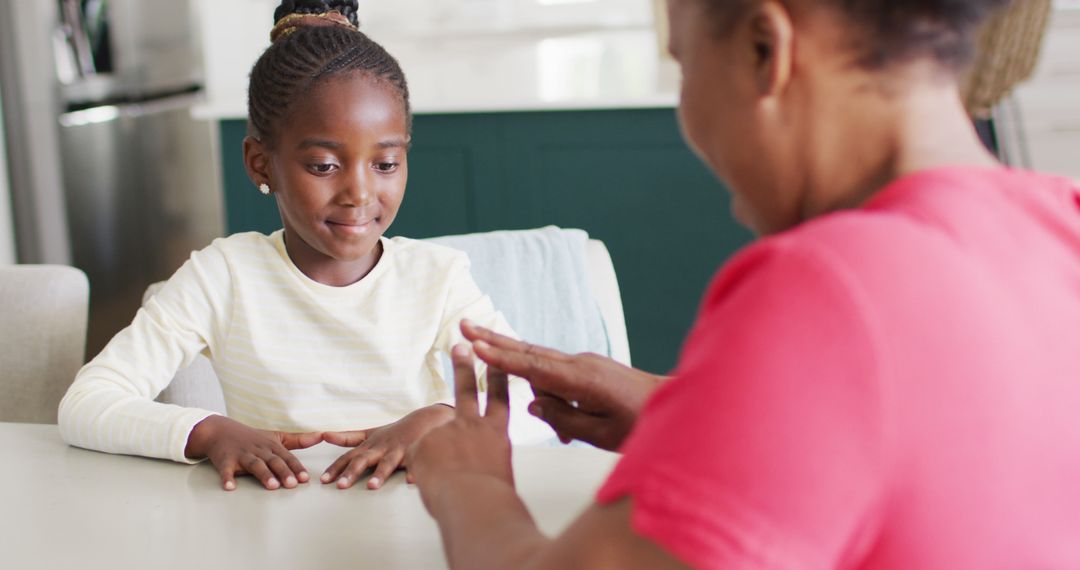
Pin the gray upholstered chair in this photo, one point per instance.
(43, 312)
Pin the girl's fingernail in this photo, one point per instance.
(230, 486)
(343, 482)
(481, 345)
(325, 478)
(303, 477)
(374, 482)
(290, 481)
(466, 323)
(273, 483)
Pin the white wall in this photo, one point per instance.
(1043, 124)
(7, 228)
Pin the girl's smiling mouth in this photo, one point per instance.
(352, 226)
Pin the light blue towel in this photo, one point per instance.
(537, 279)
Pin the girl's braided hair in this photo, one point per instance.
(314, 40)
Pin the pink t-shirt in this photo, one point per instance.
(891, 387)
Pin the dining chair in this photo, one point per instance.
(42, 338)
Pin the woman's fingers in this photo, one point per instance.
(569, 422)
(498, 397)
(464, 382)
(345, 438)
(553, 375)
(475, 333)
(390, 463)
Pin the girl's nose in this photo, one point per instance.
(357, 192)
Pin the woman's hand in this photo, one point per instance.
(237, 449)
(469, 446)
(382, 448)
(584, 396)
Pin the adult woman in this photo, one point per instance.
(885, 380)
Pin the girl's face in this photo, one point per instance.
(338, 170)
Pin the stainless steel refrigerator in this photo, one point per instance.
(138, 174)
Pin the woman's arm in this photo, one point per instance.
(466, 481)
(465, 301)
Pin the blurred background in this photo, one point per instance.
(122, 122)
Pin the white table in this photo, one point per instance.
(63, 507)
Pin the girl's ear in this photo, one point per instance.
(256, 161)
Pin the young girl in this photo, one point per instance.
(320, 328)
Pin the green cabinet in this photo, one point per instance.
(625, 176)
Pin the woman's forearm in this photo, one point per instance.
(484, 524)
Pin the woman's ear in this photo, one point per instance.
(773, 36)
(256, 161)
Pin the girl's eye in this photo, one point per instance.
(325, 168)
(386, 166)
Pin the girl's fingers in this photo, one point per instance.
(498, 397)
(331, 474)
(345, 438)
(390, 462)
(464, 382)
(355, 469)
(300, 440)
(228, 476)
(281, 471)
(294, 465)
(258, 469)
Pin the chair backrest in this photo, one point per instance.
(197, 385)
(42, 338)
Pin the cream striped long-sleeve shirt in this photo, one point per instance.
(291, 354)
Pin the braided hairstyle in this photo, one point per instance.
(311, 50)
(891, 31)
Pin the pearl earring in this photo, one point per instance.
(265, 189)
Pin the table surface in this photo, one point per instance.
(63, 507)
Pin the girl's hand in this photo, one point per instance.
(382, 448)
(470, 445)
(237, 449)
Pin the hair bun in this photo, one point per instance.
(292, 15)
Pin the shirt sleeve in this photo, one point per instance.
(110, 406)
(466, 301)
(765, 450)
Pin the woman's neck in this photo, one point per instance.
(880, 139)
(326, 270)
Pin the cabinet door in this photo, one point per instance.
(452, 158)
